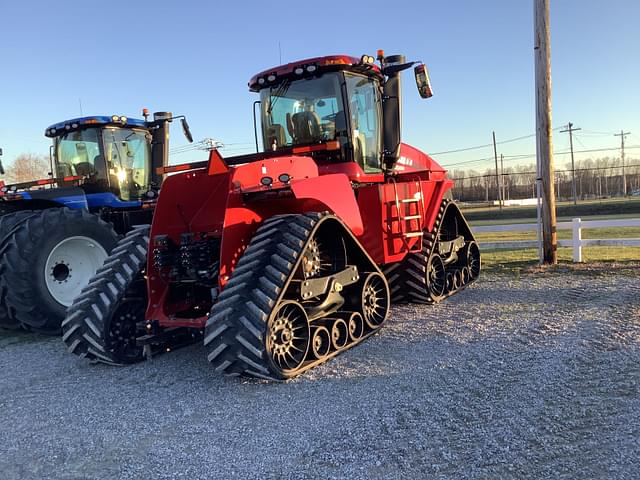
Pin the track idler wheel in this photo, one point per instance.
(339, 334)
(465, 275)
(375, 300)
(321, 343)
(288, 337)
(457, 279)
(356, 326)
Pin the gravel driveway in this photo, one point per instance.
(530, 376)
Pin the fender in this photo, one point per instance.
(336, 193)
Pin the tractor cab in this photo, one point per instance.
(110, 154)
(337, 109)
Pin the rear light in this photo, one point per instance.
(284, 178)
(162, 251)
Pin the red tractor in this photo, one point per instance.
(284, 258)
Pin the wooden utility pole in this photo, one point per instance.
(544, 143)
(570, 129)
(503, 178)
(623, 134)
(495, 154)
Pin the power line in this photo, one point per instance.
(532, 155)
(585, 169)
(477, 147)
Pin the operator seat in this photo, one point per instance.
(99, 167)
(84, 169)
(275, 134)
(304, 127)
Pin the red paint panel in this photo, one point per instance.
(336, 193)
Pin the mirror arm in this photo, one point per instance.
(393, 69)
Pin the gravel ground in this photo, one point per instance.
(530, 376)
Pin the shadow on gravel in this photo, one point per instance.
(16, 337)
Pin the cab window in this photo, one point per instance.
(128, 157)
(365, 114)
(302, 112)
(78, 153)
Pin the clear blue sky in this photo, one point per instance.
(195, 58)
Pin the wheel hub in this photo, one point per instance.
(311, 260)
(61, 272)
(70, 265)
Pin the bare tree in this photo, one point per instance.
(27, 167)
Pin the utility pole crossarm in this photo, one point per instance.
(495, 154)
(623, 134)
(570, 129)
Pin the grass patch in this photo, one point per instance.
(622, 260)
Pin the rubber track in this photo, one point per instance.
(29, 311)
(83, 330)
(9, 223)
(234, 334)
(407, 278)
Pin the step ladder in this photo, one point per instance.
(406, 217)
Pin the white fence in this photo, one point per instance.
(576, 243)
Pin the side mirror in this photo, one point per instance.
(422, 81)
(185, 130)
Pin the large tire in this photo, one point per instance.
(103, 322)
(49, 259)
(8, 225)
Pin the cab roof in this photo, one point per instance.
(311, 66)
(58, 129)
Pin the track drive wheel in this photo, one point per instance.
(474, 264)
(49, 259)
(436, 278)
(375, 300)
(104, 321)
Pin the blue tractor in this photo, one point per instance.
(56, 232)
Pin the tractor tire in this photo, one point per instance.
(9, 223)
(49, 259)
(104, 321)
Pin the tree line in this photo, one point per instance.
(27, 167)
(602, 177)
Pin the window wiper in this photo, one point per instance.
(282, 89)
